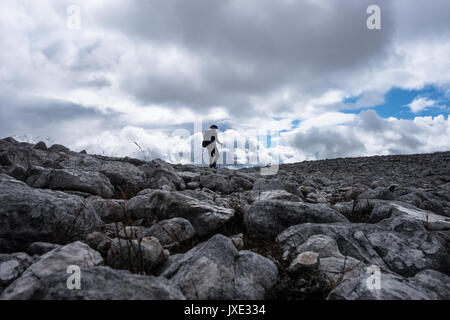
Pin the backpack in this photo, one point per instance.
(206, 143)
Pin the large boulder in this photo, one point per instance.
(29, 215)
(142, 255)
(401, 243)
(204, 217)
(373, 211)
(339, 269)
(160, 174)
(269, 218)
(270, 195)
(104, 283)
(215, 182)
(54, 262)
(13, 152)
(208, 196)
(430, 220)
(238, 183)
(124, 176)
(91, 182)
(266, 184)
(436, 201)
(381, 193)
(109, 210)
(172, 231)
(216, 270)
(425, 285)
(12, 266)
(365, 210)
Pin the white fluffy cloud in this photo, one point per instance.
(137, 71)
(368, 134)
(420, 104)
(327, 136)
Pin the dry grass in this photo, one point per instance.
(359, 215)
(63, 233)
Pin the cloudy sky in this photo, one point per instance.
(309, 75)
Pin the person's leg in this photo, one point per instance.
(211, 152)
(216, 157)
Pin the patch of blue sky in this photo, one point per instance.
(294, 125)
(397, 101)
(396, 104)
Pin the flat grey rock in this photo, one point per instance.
(104, 283)
(425, 285)
(54, 262)
(204, 217)
(269, 218)
(216, 270)
(30, 215)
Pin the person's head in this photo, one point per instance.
(214, 127)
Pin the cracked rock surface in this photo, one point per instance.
(354, 228)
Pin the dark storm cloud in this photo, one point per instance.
(406, 132)
(45, 117)
(372, 122)
(259, 59)
(249, 48)
(417, 19)
(322, 143)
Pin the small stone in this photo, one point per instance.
(109, 210)
(324, 245)
(12, 266)
(238, 241)
(306, 261)
(4, 159)
(17, 171)
(172, 231)
(99, 241)
(305, 190)
(193, 185)
(40, 248)
(189, 176)
(59, 148)
(393, 187)
(40, 146)
(134, 232)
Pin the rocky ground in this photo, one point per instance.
(151, 230)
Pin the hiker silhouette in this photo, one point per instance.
(210, 141)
